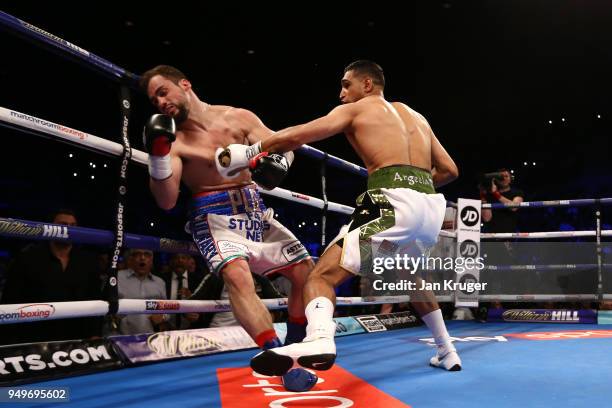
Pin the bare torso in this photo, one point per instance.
(196, 142)
(387, 133)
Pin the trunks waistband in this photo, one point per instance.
(229, 201)
(402, 176)
(212, 192)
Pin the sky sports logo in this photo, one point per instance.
(162, 305)
(28, 312)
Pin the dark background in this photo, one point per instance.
(488, 75)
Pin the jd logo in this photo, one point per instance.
(469, 216)
(467, 279)
(468, 249)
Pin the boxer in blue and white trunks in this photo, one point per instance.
(233, 224)
(234, 231)
(400, 209)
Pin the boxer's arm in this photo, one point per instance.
(444, 170)
(255, 129)
(166, 191)
(517, 200)
(504, 200)
(252, 126)
(337, 121)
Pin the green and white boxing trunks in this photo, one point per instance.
(399, 213)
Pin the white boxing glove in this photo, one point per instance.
(230, 161)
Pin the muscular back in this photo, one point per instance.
(385, 133)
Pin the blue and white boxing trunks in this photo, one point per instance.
(235, 224)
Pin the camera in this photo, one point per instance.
(486, 178)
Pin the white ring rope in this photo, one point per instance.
(28, 312)
(545, 234)
(101, 145)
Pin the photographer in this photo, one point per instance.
(495, 188)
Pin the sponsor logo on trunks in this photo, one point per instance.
(28, 312)
(200, 228)
(432, 342)
(371, 323)
(254, 228)
(243, 388)
(412, 180)
(469, 216)
(563, 335)
(162, 305)
(293, 250)
(229, 247)
(247, 225)
(209, 250)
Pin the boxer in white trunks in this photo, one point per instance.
(405, 162)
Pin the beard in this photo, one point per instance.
(182, 114)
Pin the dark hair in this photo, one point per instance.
(166, 71)
(66, 211)
(130, 251)
(368, 68)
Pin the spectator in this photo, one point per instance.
(53, 271)
(192, 266)
(180, 281)
(500, 191)
(138, 282)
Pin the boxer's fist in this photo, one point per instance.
(230, 161)
(158, 134)
(269, 169)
